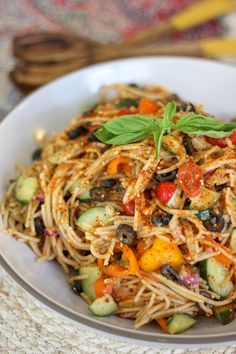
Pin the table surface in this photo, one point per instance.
(26, 326)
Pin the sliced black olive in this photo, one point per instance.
(187, 203)
(214, 223)
(76, 287)
(37, 154)
(126, 234)
(188, 145)
(98, 194)
(163, 177)
(67, 196)
(133, 85)
(77, 132)
(220, 187)
(120, 188)
(169, 272)
(108, 183)
(39, 225)
(92, 137)
(161, 220)
(185, 107)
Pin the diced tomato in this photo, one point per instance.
(126, 111)
(129, 208)
(165, 191)
(233, 138)
(221, 142)
(102, 286)
(147, 106)
(216, 141)
(191, 179)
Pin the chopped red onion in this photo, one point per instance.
(40, 197)
(191, 280)
(209, 173)
(51, 232)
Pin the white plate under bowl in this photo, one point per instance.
(52, 107)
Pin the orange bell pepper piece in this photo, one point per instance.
(103, 285)
(163, 324)
(117, 270)
(147, 106)
(119, 164)
(161, 252)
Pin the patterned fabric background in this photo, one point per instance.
(103, 20)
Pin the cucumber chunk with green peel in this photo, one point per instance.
(215, 274)
(92, 218)
(25, 189)
(206, 199)
(176, 200)
(179, 322)
(225, 314)
(92, 273)
(103, 306)
(232, 243)
(84, 196)
(64, 154)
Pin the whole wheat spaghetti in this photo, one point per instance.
(147, 236)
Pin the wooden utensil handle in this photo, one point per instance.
(185, 48)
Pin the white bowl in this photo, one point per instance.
(51, 108)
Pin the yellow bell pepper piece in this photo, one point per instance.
(161, 252)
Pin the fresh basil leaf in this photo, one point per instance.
(157, 135)
(130, 123)
(127, 102)
(103, 135)
(202, 125)
(128, 138)
(169, 113)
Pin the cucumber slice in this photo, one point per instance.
(25, 189)
(225, 314)
(64, 154)
(126, 102)
(215, 273)
(232, 243)
(83, 196)
(175, 201)
(93, 273)
(179, 322)
(173, 145)
(205, 200)
(103, 306)
(92, 217)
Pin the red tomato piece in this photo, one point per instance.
(102, 286)
(165, 191)
(126, 111)
(233, 138)
(129, 208)
(216, 141)
(191, 179)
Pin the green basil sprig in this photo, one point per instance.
(135, 127)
